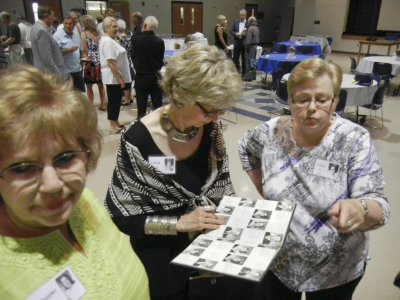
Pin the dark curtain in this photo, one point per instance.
(363, 17)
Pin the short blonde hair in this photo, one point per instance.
(220, 19)
(202, 74)
(252, 20)
(107, 22)
(35, 105)
(313, 68)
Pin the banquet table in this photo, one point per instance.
(356, 94)
(367, 63)
(316, 48)
(383, 43)
(270, 62)
(321, 40)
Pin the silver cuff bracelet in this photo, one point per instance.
(160, 225)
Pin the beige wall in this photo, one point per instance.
(333, 16)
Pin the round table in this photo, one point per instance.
(367, 63)
(357, 95)
(316, 48)
(270, 62)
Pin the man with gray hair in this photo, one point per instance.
(147, 54)
(47, 55)
(238, 31)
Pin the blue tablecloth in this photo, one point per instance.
(168, 53)
(270, 62)
(316, 48)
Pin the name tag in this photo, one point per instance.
(325, 169)
(165, 164)
(63, 286)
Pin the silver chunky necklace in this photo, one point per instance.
(175, 134)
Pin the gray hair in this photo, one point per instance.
(121, 25)
(151, 23)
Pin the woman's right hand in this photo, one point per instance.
(199, 220)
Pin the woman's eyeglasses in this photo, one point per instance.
(319, 103)
(209, 113)
(68, 162)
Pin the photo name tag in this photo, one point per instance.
(325, 168)
(63, 286)
(165, 164)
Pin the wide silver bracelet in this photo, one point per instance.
(160, 225)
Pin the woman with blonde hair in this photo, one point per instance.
(221, 37)
(51, 226)
(161, 209)
(91, 57)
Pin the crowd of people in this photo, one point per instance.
(57, 240)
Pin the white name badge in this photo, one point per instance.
(64, 286)
(325, 169)
(165, 164)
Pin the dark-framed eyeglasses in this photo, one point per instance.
(304, 102)
(208, 113)
(29, 171)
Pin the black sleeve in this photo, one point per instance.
(160, 49)
(132, 51)
(233, 32)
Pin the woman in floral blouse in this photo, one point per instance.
(290, 158)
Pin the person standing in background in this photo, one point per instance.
(251, 43)
(114, 71)
(13, 39)
(124, 39)
(71, 52)
(137, 23)
(220, 35)
(90, 39)
(47, 55)
(25, 28)
(109, 12)
(148, 58)
(238, 32)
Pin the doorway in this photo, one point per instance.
(252, 10)
(95, 8)
(187, 18)
(30, 7)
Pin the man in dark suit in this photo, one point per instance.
(47, 55)
(148, 58)
(238, 32)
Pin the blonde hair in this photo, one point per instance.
(313, 68)
(220, 19)
(35, 106)
(89, 24)
(202, 74)
(107, 22)
(252, 20)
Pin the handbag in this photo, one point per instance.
(364, 79)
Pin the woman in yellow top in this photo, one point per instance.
(56, 240)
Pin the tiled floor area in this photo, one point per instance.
(255, 108)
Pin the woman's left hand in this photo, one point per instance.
(347, 215)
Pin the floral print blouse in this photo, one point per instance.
(344, 165)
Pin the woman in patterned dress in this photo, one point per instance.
(91, 58)
(288, 158)
(161, 209)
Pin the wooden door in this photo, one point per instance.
(55, 5)
(252, 10)
(187, 17)
(121, 10)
